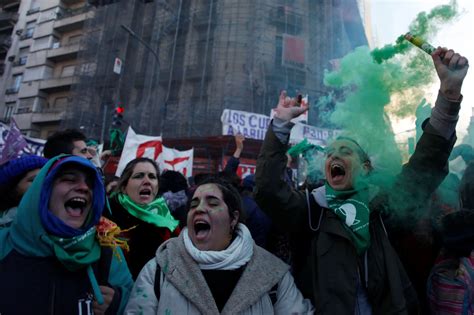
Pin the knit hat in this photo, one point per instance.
(14, 168)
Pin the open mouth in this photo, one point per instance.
(337, 171)
(76, 206)
(201, 229)
(146, 192)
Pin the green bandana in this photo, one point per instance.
(76, 252)
(156, 212)
(351, 206)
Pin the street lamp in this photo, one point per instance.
(134, 35)
(157, 57)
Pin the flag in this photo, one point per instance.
(174, 160)
(13, 145)
(152, 147)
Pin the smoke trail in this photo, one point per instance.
(425, 25)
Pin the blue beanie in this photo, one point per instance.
(20, 166)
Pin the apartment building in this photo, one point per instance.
(173, 65)
(184, 61)
(40, 64)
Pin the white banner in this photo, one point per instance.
(251, 125)
(137, 145)
(319, 136)
(255, 126)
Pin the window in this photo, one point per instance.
(23, 56)
(9, 107)
(29, 30)
(16, 82)
(35, 5)
(74, 39)
(68, 71)
(25, 105)
(60, 103)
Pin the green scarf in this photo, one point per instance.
(351, 206)
(76, 252)
(156, 212)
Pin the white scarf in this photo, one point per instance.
(235, 256)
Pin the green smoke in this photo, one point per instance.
(361, 115)
(394, 75)
(425, 25)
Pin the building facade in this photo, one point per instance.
(173, 65)
(43, 57)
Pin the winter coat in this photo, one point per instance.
(327, 268)
(34, 281)
(143, 238)
(183, 289)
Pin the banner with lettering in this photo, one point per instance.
(319, 136)
(251, 125)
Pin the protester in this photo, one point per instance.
(16, 177)
(214, 266)
(69, 141)
(135, 207)
(257, 221)
(347, 263)
(174, 188)
(51, 258)
(450, 285)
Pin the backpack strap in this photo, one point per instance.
(273, 294)
(157, 282)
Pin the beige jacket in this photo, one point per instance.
(183, 289)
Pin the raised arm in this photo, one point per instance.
(286, 206)
(427, 167)
(234, 161)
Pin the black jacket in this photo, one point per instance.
(48, 287)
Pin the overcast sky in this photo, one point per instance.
(390, 19)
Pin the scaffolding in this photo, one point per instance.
(184, 62)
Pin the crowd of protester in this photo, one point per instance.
(76, 241)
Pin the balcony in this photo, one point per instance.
(12, 91)
(20, 62)
(57, 84)
(8, 20)
(47, 116)
(9, 4)
(62, 53)
(5, 42)
(69, 20)
(70, 2)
